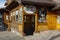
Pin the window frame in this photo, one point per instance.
(20, 15)
(16, 15)
(42, 15)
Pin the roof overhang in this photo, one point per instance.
(12, 5)
(16, 3)
(2, 10)
(38, 2)
(56, 8)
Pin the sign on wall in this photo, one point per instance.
(30, 9)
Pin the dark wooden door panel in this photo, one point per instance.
(29, 24)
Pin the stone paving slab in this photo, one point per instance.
(45, 35)
(10, 36)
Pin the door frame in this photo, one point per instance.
(34, 22)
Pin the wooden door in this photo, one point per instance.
(29, 24)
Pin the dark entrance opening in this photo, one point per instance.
(29, 24)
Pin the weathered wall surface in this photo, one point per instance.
(50, 22)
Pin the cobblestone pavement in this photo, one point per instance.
(9, 36)
(45, 35)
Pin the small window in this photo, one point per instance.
(17, 15)
(13, 16)
(7, 17)
(58, 19)
(20, 16)
(0, 15)
(42, 15)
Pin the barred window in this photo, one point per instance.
(58, 19)
(42, 15)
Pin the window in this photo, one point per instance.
(42, 15)
(13, 16)
(58, 19)
(17, 15)
(0, 15)
(20, 16)
(10, 16)
(7, 17)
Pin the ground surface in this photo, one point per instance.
(9, 36)
(45, 35)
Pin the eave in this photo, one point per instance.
(38, 2)
(16, 3)
(12, 5)
(56, 8)
(2, 10)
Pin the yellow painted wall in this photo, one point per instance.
(50, 22)
(42, 26)
(20, 27)
(57, 26)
